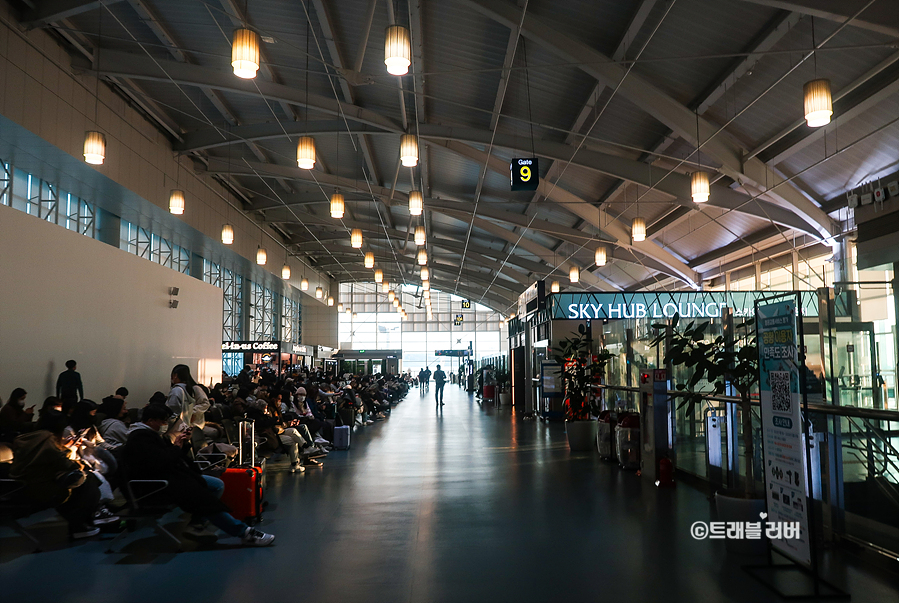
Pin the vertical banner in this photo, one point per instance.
(784, 464)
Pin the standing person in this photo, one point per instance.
(427, 377)
(421, 381)
(187, 399)
(68, 384)
(439, 382)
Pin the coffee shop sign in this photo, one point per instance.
(654, 310)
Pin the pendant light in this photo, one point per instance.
(227, 234)
(699, 186)
(245, 53)
(379, 275)
(330, 301)
(601, 255)
(340, 308)
(349, 311)
(176, 202)
(428, 296)
(261, 256)
(638, 230)
(425, 273)
(426, 285)
(306, 152)
(554, 288)
(419, 235)
(369, 260)
(416, 203)
(356, 238)
(574, 275)
(408, 150)
(391, 295)
(385, 286)
(285, 272)
(337, 203)
(94, 147)
(422, 256)
(397, 50)
(319, 293)
(396, 302)
(304, 284)
(818, 102)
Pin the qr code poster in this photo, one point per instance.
(784, 469)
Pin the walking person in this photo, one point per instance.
(439, 382)
(68, 385)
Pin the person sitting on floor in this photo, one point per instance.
(148, 455)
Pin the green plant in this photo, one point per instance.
(721, 364)
(580, 371)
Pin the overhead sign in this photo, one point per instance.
(466, 304)
(784, 465)
(454, 353)
(457, 321)
(302, 350)
(662, 305)
(251, 346)
(524, 174)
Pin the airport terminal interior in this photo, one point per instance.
(474, 300)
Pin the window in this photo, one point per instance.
(262, 314)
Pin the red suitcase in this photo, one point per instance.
(243, 492)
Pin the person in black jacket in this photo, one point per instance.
(68, 385)
(148, 455)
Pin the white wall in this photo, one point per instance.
(65, 296)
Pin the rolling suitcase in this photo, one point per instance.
(243, 493)
(342, 437)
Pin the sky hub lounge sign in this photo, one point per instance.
(661, 305)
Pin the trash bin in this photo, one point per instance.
(604, 433)
(627, 440)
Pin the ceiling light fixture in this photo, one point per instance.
(397, 50)
(699, 186)
(391, 295)
(818, 102)
(94, 147)
(601, 255)
(416, 203)
(385, 286)
(340, 308)
(638, 230)
(369, 260)
(422, 256)
(227, 234)
(245, 53)
(319, 293)
(337, 204)
(574, 275)
(425, 273)
(408, 150)
(261, 256)
(176, 202)
(356, 238)
(285, 272)
(330, 301)
(554, 288)
(304, 284)
(420, 235)
(306, 152)
(379, 275)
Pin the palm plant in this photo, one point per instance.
(581, 370)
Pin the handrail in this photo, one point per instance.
(827, 409)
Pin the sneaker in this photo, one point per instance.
(253, 537)
(87, 532)
(310, 462)
(296, 468)
(104, 515)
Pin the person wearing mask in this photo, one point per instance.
(68, 384)
(148, 455)
(43, 463)
(14, 417)
(439, 382)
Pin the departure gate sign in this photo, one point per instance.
(524, 174)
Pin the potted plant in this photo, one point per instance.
(722, 365)
(502, 380)
(581, 370)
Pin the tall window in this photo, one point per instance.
(41, 198)
(231, 285)
(143, 243)
(291, 330)
(262, 313)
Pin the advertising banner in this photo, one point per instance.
(784, 460)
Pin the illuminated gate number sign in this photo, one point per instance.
(525, 176)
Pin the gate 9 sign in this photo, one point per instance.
(525, 176)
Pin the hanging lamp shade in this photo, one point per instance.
(319, 293)
(408, 150)
(245, 53)
(397, 50)
(227, 234)
(554, 288)
(355, 315)
(379, 275)
(261, 256)
(369, 260)
(818, 102)
(416, 203)
(306, 152)
(601, 255)
(304, 284)
(574, 275)
(340, 308)
(391, 295)
(356, 238)
(422, 256)
(337, 204)
(638, 229)
(176, 202)
(330, 301)
(385, 286)
(285, 272)
(425, 273)
(419, 235)
(94, 147)
(396, 302)
(349, 311)
(426, 285)
(428, 296)
(699, 186)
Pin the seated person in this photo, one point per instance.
(52, 479)
(148, 455)
(14, 417)
(113, 428)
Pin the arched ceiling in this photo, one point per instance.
(612, 97)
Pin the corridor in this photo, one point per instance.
(462, 503)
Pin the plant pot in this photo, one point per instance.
(733, 506)
(505, 398)
(581, 435)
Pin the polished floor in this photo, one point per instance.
(459, 504)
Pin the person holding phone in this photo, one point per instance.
(14, 416)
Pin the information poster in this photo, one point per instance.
(784, 460)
